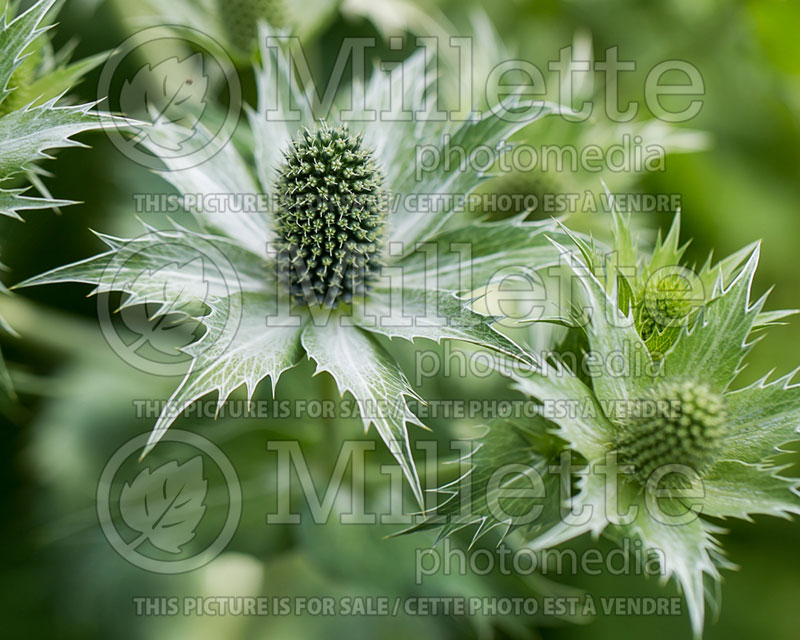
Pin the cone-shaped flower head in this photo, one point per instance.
(330, 214)
(678, 423)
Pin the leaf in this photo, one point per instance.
(712, 348)
(12, 202)
(166, 505)
(27, 134)
(362, 369)
(660, 340)
(458, 178)
(467, 258)
(176, 278)
(432, 315)
(737, 490)
(18, 130)
(15, 37)
(53, 83)
(773, 318)
(762, 418)
(576, 410)
(396, 141)
(173, 300)
(225, 178)
(612, 336)
(173, 269)
(724, 270)
(508, 485)
(274, 124)
(591, 496)
(237, 349)
(30, 86)
(689, 553)
(668, 252)
(624, 243)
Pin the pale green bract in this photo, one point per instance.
(423, 303)
(33, 79)
(705, 352)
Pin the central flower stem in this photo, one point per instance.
(330, 216)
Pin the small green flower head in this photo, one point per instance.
(330, 216)
(666, 302)
(241, 17)
(678, 423)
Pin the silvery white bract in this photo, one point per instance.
(675, 351)
(259, 330)
(32, 80)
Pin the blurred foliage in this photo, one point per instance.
(60, 578)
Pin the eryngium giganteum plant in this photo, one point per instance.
(643, 433)
(33, 79)
(340, 255)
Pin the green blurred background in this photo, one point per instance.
(61, 579)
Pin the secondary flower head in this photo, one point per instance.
(657, 435)
(685, 426)
(331, 261)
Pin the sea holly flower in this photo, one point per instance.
(657, 435)
(341, 254)
(32, 80)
